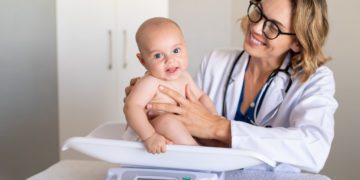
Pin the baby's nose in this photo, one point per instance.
(170, 59)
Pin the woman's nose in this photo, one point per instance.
(257, 27)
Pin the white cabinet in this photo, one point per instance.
(131, 13)
(96, 59)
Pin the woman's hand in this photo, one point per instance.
(198, 120)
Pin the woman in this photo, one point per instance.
(276, 96)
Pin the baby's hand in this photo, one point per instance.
(155, 144)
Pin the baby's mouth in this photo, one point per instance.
(172, 70)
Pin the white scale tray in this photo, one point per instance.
(106, 143)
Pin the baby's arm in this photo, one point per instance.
(200, 95)
(134, 109)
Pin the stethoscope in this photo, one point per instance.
(264, 89)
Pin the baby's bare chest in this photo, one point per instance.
(162, 98)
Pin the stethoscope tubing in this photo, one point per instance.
(263, 90)
(224, 111)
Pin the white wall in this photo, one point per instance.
(28, 89)
(343, 46)
(206, 26)
(238, 10)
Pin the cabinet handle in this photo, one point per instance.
(110, 50)
(125, 49)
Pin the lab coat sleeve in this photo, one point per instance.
(306, 143)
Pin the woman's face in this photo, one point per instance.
(256, 43)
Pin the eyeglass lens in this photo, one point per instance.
(270, 29)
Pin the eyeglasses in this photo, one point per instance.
(270, 28)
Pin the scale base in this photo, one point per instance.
(144, 173)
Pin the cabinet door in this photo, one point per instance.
(87, 72)
(130, 15)
(97, 59)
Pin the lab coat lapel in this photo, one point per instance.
(274, 96)
(235, 86)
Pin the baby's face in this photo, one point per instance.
(164, 53)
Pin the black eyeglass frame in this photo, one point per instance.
(262, 15)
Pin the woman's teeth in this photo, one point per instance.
(255, 41)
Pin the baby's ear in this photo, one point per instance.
(141, 59)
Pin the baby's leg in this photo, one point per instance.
(173, 129)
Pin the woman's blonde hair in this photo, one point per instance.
(310, 24)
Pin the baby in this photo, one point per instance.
(163, 53)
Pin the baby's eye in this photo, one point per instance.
(158, 56)
(176, 50)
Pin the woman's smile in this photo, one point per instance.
(253, 41)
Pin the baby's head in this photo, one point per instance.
(162, 48)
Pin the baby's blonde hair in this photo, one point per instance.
(310, 24)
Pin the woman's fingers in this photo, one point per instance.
(133, 81)
(127, 92)
(174, 95)
(189, 94)
(170, 108)
(129, 88)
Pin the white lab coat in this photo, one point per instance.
(303, 126)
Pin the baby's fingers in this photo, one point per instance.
(163, 148)
(169, 142)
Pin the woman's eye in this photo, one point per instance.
(158, 56)
(274, 28)
(177, 50)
